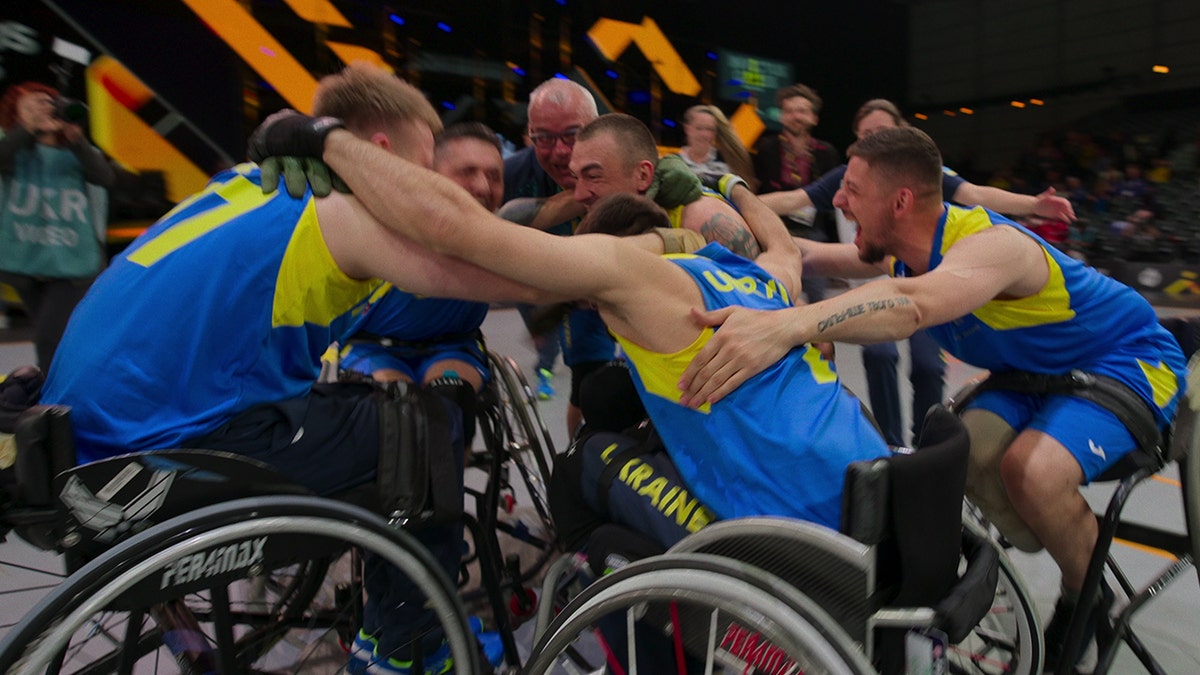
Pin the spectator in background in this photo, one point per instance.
(1081, 239)
(880, 360)
(538, 189)
(539, 192)
(436, 342)
(1133, 189)
(54, 215)
(793, 159)
(713, 149)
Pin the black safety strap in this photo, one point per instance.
(1111, 394)
(418, 479)
(648, 444)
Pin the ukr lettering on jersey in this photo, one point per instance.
(213, 562)
(725, 282)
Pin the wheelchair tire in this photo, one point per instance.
(1009, 637)
(706, 610)
(173, 596)
(529, 431)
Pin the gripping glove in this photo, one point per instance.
(674, 183)
(725, 184)
(288, 133)
(298, 172)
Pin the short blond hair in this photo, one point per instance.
(369, 99)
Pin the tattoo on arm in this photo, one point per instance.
(731, 234)
(521, 211)
(860, 309)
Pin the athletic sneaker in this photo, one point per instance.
(490, 645)
(1060, 623)
(489, 642)
(435, 664)
(545, 390)
(362, 652)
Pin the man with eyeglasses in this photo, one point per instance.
(539, 192)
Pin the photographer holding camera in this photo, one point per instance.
(53, 194)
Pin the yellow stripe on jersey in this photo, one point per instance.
(660, 373)
(1050, 305)
(675, 216)
(1163, 382)
(241, 196)
(675, 213)
(297, 299)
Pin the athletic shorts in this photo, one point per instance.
(414, 362)
(1091, 433)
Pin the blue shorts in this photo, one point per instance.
(366, 358)
(1091, 433)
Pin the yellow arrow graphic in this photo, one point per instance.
(613, 37)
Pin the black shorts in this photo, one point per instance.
(327, 441)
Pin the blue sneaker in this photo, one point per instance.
(435, 664)
(490, 642)
(362, 653)
(545, 390)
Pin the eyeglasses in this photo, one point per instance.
(547, 141)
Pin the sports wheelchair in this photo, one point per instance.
(194, 561)
(905, 582)
(1156, 452)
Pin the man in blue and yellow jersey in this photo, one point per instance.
(743, 456)
(208, 330)
(436, 342)
(998, 297)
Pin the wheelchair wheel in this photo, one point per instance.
(529, 431)
(694, 613)
(1189, 474)
(515, 424)
(1009, 638)
(239, 587)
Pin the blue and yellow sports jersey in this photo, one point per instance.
(226, 302)
(780, 443)
(403, 316)
(1081, 319)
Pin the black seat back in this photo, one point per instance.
(910, 507)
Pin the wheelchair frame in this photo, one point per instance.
(1181, 445)
(514, 435)
(823, 585)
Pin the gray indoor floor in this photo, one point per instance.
(1169, 626)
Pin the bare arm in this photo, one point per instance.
(779, 255)
(1000, 262)
(641, 295)
(542, 213)
(1046, 204)
(787, 201)
(96, 167)
(715, 220)
(822, 259)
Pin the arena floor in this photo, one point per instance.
(1169, 625)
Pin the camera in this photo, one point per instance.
(71, 111)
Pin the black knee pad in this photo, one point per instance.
(462, 394)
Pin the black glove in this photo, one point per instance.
(288, 133)
(674, 183)
(723, 185)
(298, 172)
